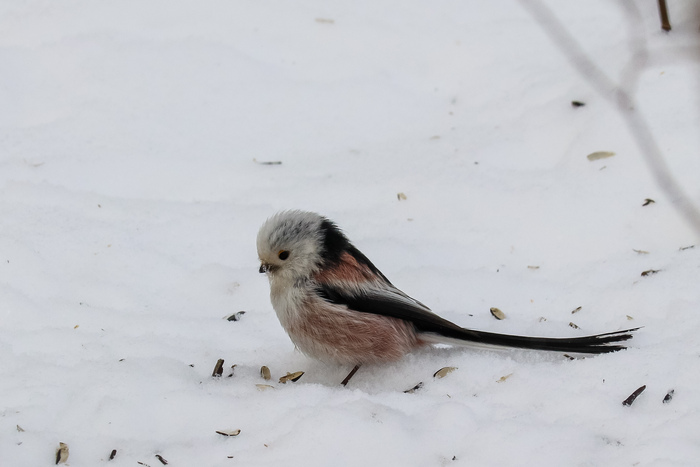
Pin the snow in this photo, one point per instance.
(132, 188)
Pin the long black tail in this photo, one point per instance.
(596, 344)
(391, 302)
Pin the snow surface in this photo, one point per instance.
(131, 136)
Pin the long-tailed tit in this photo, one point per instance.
(338, 307)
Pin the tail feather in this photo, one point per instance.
(595, 344)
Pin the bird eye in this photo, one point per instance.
(283, 254)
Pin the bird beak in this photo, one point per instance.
(264, 267)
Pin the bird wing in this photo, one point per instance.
(387, 301)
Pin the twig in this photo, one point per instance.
(663, 12)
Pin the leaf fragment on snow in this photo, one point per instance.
(629, 318)
(632, 397)
(594, 156)
(577, 104)
(61, 453)
(498, 314)
(649, 272)
(641, 252)
(648, 201)
(265, 373)
(229, 432)
(442, 372)
(573, 325)
(264, 387)
(325, 21)
(160, 458)
(578, 308)
(533, 267)
(504, 378)
(112, 454)
(20, 429)
(401, 196)
(683, 248)
(293, 377)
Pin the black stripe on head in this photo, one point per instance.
(335, 243)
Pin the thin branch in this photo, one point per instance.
(621, 97)
(663, 12)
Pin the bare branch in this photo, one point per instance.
(621, 96)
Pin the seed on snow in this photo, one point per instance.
(293, 377)
(442, 372)
(61, 453)
(498, 314)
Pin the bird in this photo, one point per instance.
(338, 307)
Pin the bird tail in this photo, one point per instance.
(595, 344)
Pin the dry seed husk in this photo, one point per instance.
(630, 400)
(498, 314)
(229, 432)
(594, 156)
(218, 368)
(574, 325)
(576, 310)
(236, 316)
(442, 372)
(62, 453)
(503, 378)
(668, 396)
(293, 377)
(267, 162)
(160, 458)
(414, 388)
(265, 373)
